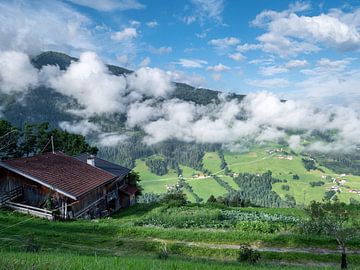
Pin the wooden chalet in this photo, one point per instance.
(55, 185)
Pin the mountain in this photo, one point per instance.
(45, 104)
(161, 164)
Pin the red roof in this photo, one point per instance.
(130, 190)
(60, 172)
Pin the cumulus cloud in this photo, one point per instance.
(152, 24)
(111, 139)
(192, 79)
(145, 62)
(83, 127)
(128, 33)
(205, 10)
(123, 59)
(236, 56)
(191, 63)
(260, 117)
(292, 64)
(289, 34)
(150, 82)
(218, 68)
(160, 50)
(16, 72)
(91, 84)
(110, 5)
(98, 91)
(224, 44)
(37, 26)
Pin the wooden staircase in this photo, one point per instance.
(10, 195)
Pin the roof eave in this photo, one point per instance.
(10, 168)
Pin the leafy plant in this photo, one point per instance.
(247, 254)
(163, 252)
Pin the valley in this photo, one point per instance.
(258, 160)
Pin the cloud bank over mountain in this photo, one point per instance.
(143, 96)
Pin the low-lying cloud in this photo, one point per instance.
(144, 97)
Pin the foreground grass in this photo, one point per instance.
(48, 260)
(120, 237)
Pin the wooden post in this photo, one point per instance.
(66, 210)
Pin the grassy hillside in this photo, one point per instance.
(194, 235)
(283, 164)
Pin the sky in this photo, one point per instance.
(296, 49)
(305, 52)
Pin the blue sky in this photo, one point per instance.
(306, 49)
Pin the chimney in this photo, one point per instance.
(91, 160)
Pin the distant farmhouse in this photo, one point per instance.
(55, 185)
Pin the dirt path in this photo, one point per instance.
(266, 249)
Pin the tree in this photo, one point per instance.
(133, 178)
(9, 137)
(333, 219)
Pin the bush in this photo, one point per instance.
(285, 187)
(211, 199)
(177, 198)
(163, 252)
(317, 184)
(295, 177)
(247, 254)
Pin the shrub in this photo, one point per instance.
(177, 198)
(317, 184)
(163, 252)
(247, 254)
(285, 187)
(295, 177)
(211, 199)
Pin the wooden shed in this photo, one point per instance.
(55, 185)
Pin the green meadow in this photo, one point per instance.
(256, 161)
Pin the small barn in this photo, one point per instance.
(55, 185)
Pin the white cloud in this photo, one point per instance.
(248, 47)
(91, 84)
(272, 70)
(292, 64)
(160, 50)
(327, 86)
(224, 44)
(216, 76)
(16, 72)
(128, 33)
(150, 82)
(338, 64)
(266, 119)
(110, 5)
(37, 26)
(83, 127)
(145, 62)
(111, 139)
(188, 78)
(326, 66)
(152, 24)
(99, 92)
(123, 59)
(218, 68)
(289, 34)
(296, 64)
(236, 56)
(269, 83)
(206, 10)
(134, 23)
(191, 63)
